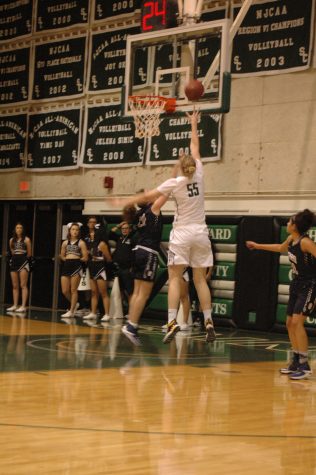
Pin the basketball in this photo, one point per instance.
(194, 90)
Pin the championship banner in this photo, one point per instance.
(105, 9)
(15, 19)
(275, 37)
(52, 14)
(108, 141)
(14, 75)
(107, 61)
(59, 69)
(206, 50)
(12, 141)
(54, 140)
(175, 137)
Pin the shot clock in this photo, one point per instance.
(158, 15)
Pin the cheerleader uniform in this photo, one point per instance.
(72, 267)
(96, 262)
(19, 259)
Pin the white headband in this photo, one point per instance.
(70, 224)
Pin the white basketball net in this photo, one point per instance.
(146, 111)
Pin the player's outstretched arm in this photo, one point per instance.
(268, 247)
(147, 197)
(195, 142)
(158, 204)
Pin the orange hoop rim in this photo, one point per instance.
(169, 102)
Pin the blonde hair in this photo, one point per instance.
(188, 165)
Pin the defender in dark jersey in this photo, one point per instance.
(73, 254)
(149, 226)
(99, 255)
(302, 300)
(20, 249)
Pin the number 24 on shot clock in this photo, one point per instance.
(158, 15)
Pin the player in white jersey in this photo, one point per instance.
(189, 242)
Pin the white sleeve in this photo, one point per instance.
(168, 186)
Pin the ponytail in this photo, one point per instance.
(303, 220)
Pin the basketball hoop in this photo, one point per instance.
(146, 111)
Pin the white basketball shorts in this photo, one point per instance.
(190, 245)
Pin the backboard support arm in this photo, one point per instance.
(232, 32)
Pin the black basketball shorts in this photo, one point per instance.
(145, 264)
(302, 298)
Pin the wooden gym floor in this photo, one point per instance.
(79, 399)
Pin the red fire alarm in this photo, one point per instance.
(108, 182)
(24, 186)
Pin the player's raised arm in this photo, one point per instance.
(158, 204)
(195, 142)
(283, 247)
(146, 196)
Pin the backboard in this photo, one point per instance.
(175, 55)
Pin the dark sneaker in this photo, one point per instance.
(131, 333)
(291, 368)
(172, 329)
(303, 372)
(210, 332)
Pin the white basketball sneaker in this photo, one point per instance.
(21, 309)
(12, 309)
(68, 314)
(90, 316)
(105, 318)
